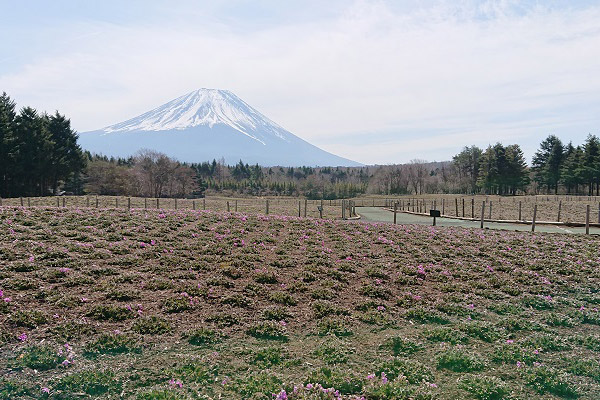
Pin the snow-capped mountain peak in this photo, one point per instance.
(209, 124)
(207, 107)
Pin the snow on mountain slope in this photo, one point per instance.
(209, 124)
(204, 107)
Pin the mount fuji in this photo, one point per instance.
(209, 124)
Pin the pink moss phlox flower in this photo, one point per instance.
(22, 337)
(384, 378)
(176, 382)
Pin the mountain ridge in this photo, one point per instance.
(206, 124)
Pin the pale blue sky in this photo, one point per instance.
(374, 81)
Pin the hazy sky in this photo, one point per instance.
(374, 81)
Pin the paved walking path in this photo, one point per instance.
(376, 214)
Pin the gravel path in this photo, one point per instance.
(375, 214)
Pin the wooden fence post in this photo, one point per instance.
(0, 201)
(21, 199)
(96, 201)
(129, 203)
(228, 206)
(157, 204)
(443, 206)
(482, 212)
(145, 202)
(176, 204)
(87, 201)
(64, 201)
(534, 217)
(490, 217)
(236, 206)
(520, 219)
(267, 207)
(598, 211)
(473, 208)
(194, 205)
(204, 203)
(58, 201)
(299, 208)
(116, 202)
(28, 202)
(456, 205)
(305, 206)
(559, 208)
(463, 207)
(587, 219)
(395, 211)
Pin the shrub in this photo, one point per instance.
(112, 343)
(325, 309)
(398, 390)
(413, 371)
(10, 389)
(202, 336)
(447, 335)
(277, 314)
(484, 387)
(585, 367)
(345, 382)
(110, 313)
(268, 330)
(266, 277)
(91, 382)
(268, 357)
(152, 325)
(176, 304)
(513, 353)
(376, 292)
(28, 318)
(402, 346)
(73, 330)
(282, 298)
(237, 300)
(458, 360)
(197, 373)
(39, 357)
(332, 352)
(537, 303)
(161, 395)
(262, 382)
(486, 332)
(547, 343)
(425, 316)
(322, 294)
(549, 380)
(336, 327)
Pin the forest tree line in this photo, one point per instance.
(38, 152)
(39, 156)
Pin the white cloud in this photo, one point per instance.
(475, 72)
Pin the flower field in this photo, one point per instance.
(183, 304)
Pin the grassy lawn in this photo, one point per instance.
(149, 304)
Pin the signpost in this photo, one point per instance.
(434, 214)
